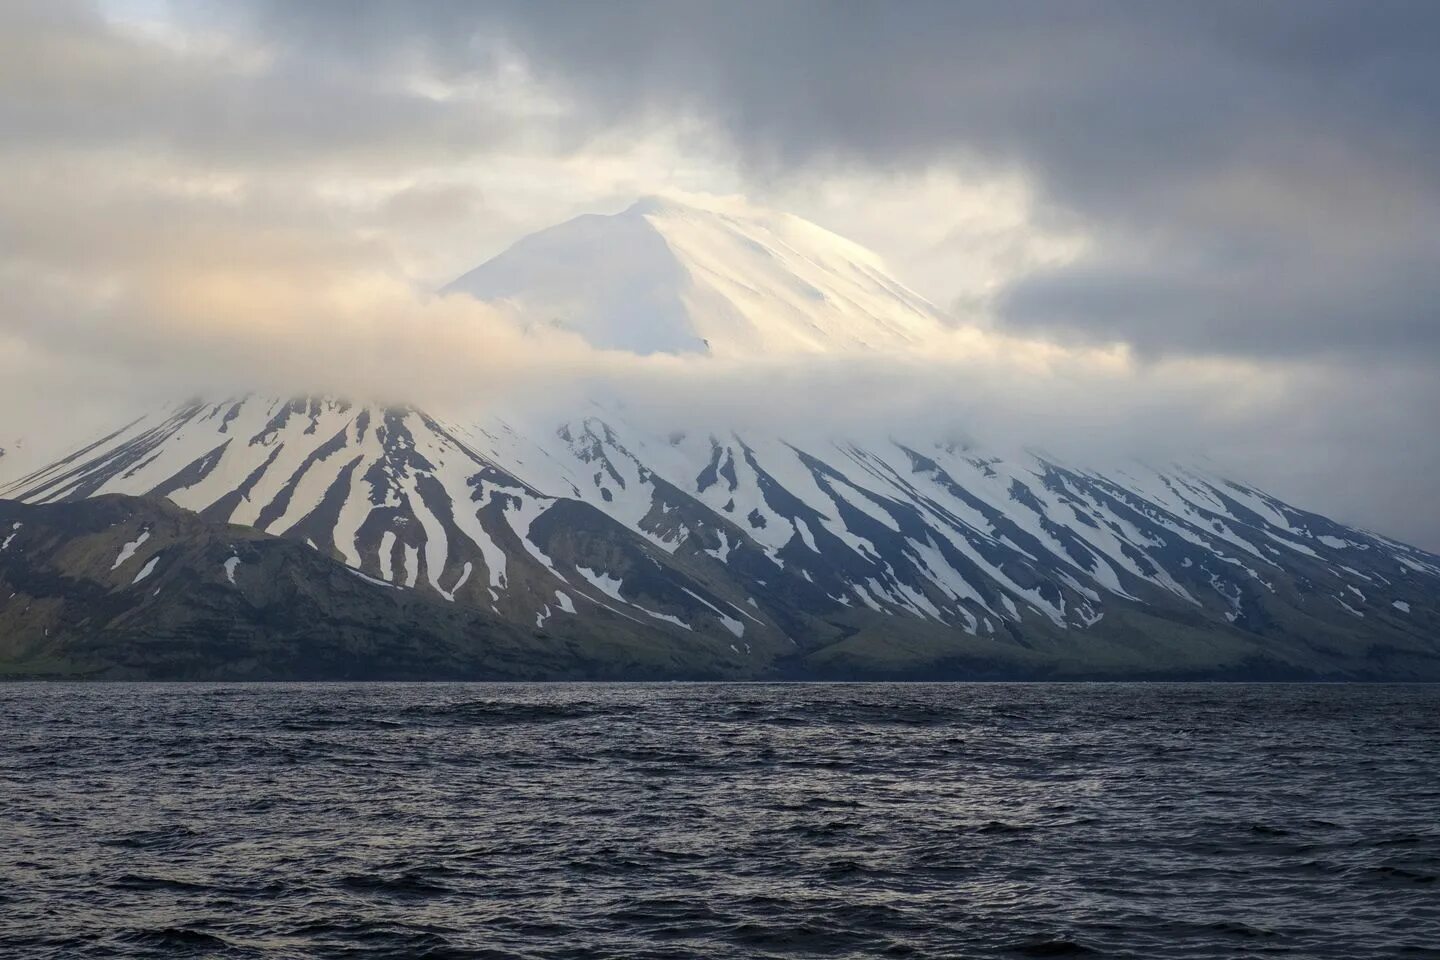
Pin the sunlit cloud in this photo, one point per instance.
(268, 196)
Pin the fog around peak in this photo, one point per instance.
(255, 196)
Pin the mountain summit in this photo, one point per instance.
(719, 276)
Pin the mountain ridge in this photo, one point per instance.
(770, 549)
(125, 588)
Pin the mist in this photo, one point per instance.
(183, 331)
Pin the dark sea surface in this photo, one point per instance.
(677, 820)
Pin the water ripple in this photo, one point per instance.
(717, 821)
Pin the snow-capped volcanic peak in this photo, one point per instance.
(716, 276)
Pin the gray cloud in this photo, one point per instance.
(1180, 128)
(70, 80)
(1276, 308)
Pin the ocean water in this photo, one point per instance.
(717, 820)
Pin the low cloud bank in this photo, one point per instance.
(86, 356)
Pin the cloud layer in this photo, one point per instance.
(1276, 160)
(1214, 222)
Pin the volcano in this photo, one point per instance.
(595, 547)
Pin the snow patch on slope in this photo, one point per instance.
(128, 549)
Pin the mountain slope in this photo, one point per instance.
(812, 557)
(724, 278)
(135, 588)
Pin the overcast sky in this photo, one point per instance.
(1238, 199)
